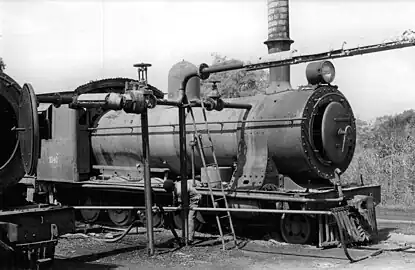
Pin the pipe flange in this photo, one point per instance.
(203, 75)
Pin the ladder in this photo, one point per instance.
(227, 215)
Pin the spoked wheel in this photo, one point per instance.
(158, 219)
(121, 217)
(295, 228)
(90, 216)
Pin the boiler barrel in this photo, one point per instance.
(304, 150)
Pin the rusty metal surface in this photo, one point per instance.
(291, 145)
(59, 155)
(29, 133)
(11, 163)
(35, 221)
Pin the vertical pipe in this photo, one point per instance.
(278, 41)
(147, 183)
(183, 171)
(192, 144)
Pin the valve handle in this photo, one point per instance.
(345, 134)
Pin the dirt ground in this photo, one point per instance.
(87, 251)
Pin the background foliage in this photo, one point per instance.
(236, 83)
(2, 65)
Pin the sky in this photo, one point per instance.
(57, 45)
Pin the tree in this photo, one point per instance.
(235, 83)
(2, 65)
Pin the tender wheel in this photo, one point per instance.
(295, 228)
(90, 216)
(121, 217)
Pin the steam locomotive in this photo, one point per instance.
(284, 149)
(279, 152)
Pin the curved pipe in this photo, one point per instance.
(182, 89)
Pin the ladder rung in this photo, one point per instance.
(209, 146)
(219, 199)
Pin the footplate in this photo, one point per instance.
(33, 255)
(39, 255)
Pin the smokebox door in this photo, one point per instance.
(336, 132)
(28, 129)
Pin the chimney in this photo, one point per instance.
(278, 41)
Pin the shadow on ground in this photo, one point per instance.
(65, 264)
(384, 233)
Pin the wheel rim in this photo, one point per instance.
(90, 216)
(121, 217)
(158, 220)
(295, 228)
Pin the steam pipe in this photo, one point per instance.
(264, 196)
(287, 58)
(183, 170)
(237, 106)
(209, 209)
(210, 123)
(167, 102)
(147, 182)
(227, 105)
(55, 98)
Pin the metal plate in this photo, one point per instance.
(335, 118)
(28, 129)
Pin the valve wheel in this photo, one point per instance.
(90, 216)
(121, 217)
(295, 228)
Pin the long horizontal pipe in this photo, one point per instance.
(267, 197)
(167, 102)
(276, 211)
(228, 105)
(55, 98)
(208, 209)
(272, 197)
(411, 222)
(210, 123)
(286, 58)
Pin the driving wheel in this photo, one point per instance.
(295, 228)
(121, 217)
(90, 216)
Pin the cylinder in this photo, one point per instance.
(305, 150)
(176, 76)
(278, 41)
